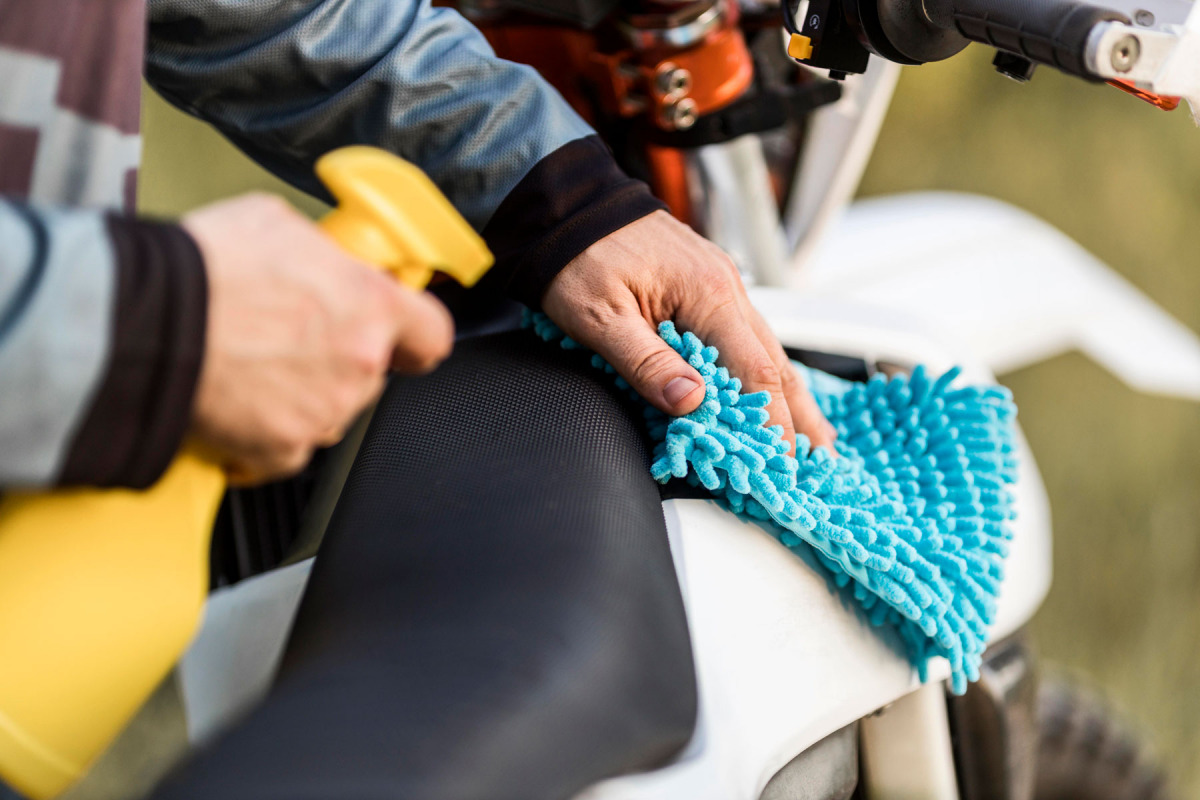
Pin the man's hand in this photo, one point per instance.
(612, 296)
(300, 336)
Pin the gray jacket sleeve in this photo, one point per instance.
(101, 336)
(56, 289)
(288, 80)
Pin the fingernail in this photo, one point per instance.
(677, 389)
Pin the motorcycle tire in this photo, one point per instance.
(1088, 753)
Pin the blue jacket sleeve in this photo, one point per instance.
(102, 322)
(287, 80)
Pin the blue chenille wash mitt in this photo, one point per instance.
(911, 516)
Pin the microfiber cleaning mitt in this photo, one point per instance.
(911, 515)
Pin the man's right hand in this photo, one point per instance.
(300, 336)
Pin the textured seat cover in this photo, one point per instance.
(495, 590)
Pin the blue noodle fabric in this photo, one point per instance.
(911, 517)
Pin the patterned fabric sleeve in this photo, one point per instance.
(102, 322)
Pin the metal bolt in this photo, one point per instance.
(1125, 53)
(680, 114)
(673, 81)
(1143, 17)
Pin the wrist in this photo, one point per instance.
(570, 200)
(142, 406)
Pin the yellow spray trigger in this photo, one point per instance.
(102, 589)
(391, 215)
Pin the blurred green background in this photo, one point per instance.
(1122, 470)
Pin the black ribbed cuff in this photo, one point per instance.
(571, 199)
(143, 405)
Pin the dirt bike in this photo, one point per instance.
(754, 122)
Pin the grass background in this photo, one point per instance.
(1122, 470)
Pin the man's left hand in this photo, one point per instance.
(612, 296)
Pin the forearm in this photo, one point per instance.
(101, 336)
(287, 80)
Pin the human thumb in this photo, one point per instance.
(653, 369)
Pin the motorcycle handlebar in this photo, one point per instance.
(1052, 32)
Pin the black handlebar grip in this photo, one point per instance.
(1053, 32)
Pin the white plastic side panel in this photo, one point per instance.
(782, 659)
(1029, 566)
(906, 750)
(1007, 286)
(233, 660)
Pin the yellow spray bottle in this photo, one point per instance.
(101, 590)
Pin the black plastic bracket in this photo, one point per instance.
(835, 45)
(760, 110)
(1019, 68)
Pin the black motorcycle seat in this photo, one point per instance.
(494, 611)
